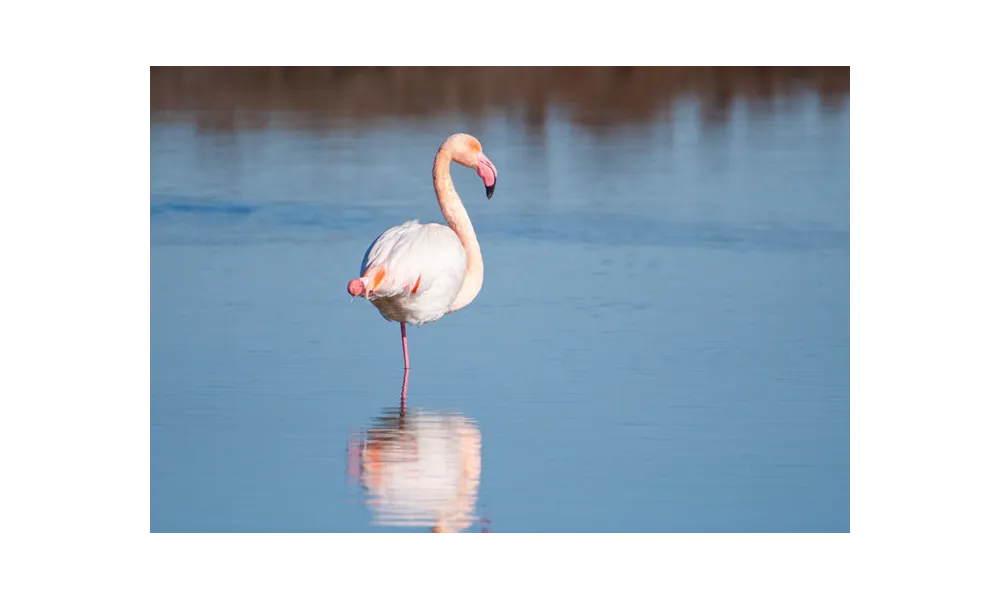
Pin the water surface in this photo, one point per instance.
(661, 342)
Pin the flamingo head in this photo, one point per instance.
(468, 152)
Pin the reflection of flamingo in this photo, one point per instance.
(416, 273)
(420, 468)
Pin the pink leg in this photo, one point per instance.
(406, 365)
(402, 398)
(406, 354)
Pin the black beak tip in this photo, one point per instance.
(489, 190)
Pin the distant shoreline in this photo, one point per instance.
(592, 95)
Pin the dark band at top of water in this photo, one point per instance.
(591, 96)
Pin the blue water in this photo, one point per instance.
(661, 342)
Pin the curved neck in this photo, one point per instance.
(458, 219)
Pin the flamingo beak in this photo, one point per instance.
(488, 173)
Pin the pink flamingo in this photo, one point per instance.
(417, 273)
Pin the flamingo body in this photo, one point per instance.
(413, 272)
(417, 273)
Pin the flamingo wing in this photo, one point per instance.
(414, 259)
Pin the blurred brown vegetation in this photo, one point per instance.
(591, 95)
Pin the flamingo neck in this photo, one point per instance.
(458, 219)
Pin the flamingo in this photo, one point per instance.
(416, 273)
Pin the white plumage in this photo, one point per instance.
(422, 267)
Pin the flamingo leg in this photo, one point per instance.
(406, 366)
(402, 398)
(406, 354)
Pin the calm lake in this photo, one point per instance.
(661, 343)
